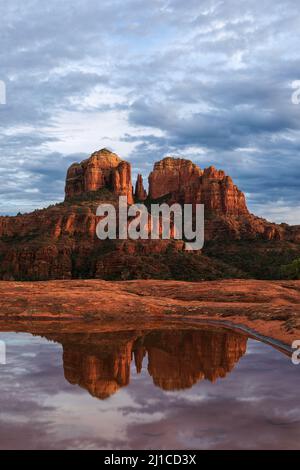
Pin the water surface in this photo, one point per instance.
(158, 389)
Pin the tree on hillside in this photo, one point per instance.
(292, 270)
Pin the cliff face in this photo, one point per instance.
(60, 242)
(177, 360)
(184, 181)
(103, 170)
(218, 193)
(226, 212)
(172, 175)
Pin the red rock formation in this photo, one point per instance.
(140, 192)
(172, 175)
(103, 169)
(122, 185)
(188, 183)
(219, 195)
(60, 242)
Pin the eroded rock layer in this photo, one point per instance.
(103, 170)
(60, 242)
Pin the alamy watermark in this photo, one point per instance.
(164, 222)
(296, 353)
(2, 353)
(2, 92)
(296, 94)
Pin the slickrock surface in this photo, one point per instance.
(270, 307)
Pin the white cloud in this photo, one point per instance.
(211, 81)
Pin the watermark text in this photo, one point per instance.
(2, 353)
(162, 222)
(296, 353)
(2, 92)
(296, 94)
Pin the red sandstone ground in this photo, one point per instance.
(271, 308)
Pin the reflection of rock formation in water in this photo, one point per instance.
(177, 360)
(98, 362)
(101, 376)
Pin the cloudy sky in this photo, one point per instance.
(210, 80)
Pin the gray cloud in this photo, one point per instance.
(211, 82)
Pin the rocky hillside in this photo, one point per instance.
(60, 242)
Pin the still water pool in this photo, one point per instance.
(151, 389)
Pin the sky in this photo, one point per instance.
(208, 80)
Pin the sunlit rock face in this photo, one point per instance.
(172, 175)
(60, 242)
(101, 363)
(184, 181)
(177, 180)
(103, 170)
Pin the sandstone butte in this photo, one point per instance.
(103, 169)
(60, 243)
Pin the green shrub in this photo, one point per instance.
(292, 270)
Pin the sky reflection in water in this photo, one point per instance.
(155, 389)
